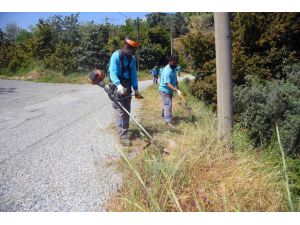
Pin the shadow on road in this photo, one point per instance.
(4, 90)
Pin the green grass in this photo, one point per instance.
(199, 171)
(55, 77)
(21, 73)
(39, 74)
(144, 75)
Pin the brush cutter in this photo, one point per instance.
(97, 77)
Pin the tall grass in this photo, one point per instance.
(200, 172)
(50, 76)
(285, 171)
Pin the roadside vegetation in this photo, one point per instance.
(190, 169)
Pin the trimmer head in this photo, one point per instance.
(96, 77)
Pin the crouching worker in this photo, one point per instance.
(123, 75)
(168, 84)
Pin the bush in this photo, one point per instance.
(206, 90)
(259, 104)
(62, 60)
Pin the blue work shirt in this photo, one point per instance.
(155, 71)
(168, 76)
(160, 71)
(115, 70)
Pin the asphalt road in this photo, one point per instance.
(53, 153)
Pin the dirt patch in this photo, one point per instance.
(32, 75)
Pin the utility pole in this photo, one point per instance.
(224, 73)
(171, 34)
(138, 40)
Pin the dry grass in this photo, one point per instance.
(199, 172)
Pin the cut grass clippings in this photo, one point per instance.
(197, 171)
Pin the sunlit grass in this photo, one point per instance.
(200, 172)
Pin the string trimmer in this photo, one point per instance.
(97, 78)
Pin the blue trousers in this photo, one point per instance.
(167, 106)
(155, 79)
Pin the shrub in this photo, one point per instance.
(259, 104)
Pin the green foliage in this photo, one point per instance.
(62, 60)
(92, 52)
(23, 36)
(206, 90)
(263, 43)
(44, 40)
(159, 35)
(63, 45)
(200, 21)
(176, 23)
(180, 24)
(151, 55)
(200, 49)
(266, 86)
(157, 19)
(18, 58)
(258, 105)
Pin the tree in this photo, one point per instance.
(158, 19)
(62, 59)
(180, 24)
(66, 27)
(200, 49)
(93, 52)
(263, 43)
(45, 39)
(158, 35)
(12, 31)
(4, 47)
(23, 36)
(151, 55)
(2, 37)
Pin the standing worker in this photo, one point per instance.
(178, 69)
(123, 75)
(168, 84)
(155, 72)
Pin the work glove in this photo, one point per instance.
(179, 93)
(121, 90)
(138, 94)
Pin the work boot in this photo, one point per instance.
(169, 124)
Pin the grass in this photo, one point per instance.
(39, 74)
(291, 206)
(55, 77)
(198, 172)
(144, 75)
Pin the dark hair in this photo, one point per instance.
(173, 57)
